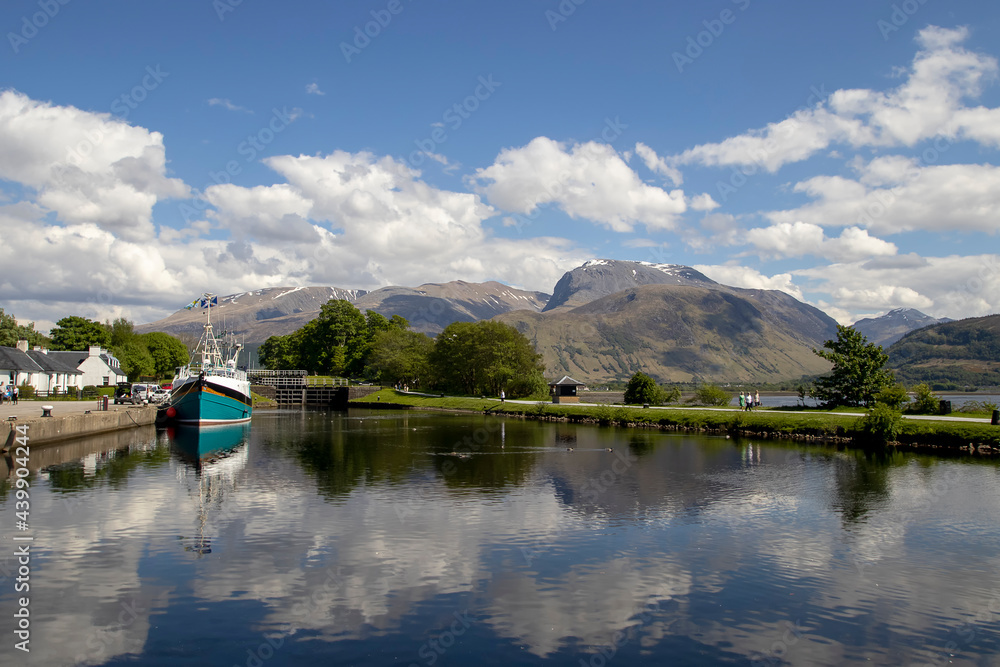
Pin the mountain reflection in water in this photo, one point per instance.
(378, 538)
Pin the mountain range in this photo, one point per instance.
(604, 320)
(892, 326)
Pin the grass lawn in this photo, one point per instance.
(761, 422)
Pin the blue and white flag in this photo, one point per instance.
(192, 304)
(214, 301)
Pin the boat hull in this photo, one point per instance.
(211, 400)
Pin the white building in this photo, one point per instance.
(98, 366)
(47, 374)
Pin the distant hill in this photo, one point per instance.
(963, 352)
(603, 277)
(257, 315)
(680, 333)
(433, 306)
(887, 329)
(605, 320)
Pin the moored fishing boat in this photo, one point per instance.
(211, 389)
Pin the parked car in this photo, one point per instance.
(123, 394)
(143, 393)
(159, 395)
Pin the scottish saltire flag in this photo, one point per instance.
(214, 301)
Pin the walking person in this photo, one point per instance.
(743, 401)
(502, 396)
(756, 398)
(14, 394)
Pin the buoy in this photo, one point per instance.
(171, 412)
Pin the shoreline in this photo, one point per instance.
(927, 434)
(69, 420)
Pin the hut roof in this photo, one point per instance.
(567, 380)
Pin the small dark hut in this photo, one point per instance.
(564, 391)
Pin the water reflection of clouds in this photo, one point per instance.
(353, 569)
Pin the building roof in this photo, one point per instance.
(13, 359)
(53, 362)
(567, 380)
(76, 358)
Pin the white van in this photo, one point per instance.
(143, 392)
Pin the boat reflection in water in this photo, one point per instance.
(215, 456)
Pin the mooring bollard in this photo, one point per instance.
(46, 410)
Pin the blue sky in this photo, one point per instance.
(846, 153)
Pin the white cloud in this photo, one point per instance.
(798, 238)
(746, 277)
(928, 104)
(894, 194)
(589, 181)
(226, 104)
(703, 202)
(84, 166)
(657, 164)
(953, 286)
(313, 89)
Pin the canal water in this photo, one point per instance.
(410, 538)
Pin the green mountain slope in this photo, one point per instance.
(680, 333)
(964, 352)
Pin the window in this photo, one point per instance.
(107, 380)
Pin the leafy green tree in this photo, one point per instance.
(643, 389)
(122, 331)
(710, 394)
(78, 333)
(399, 356)
(360, 347)
(858, 370)
(135, 359)
(481, 358)
(881, 425)
(168, 353)
(802, 392)
(895, 396)
(925, 402)
(279, 353)
(11, 332)
(335, 338)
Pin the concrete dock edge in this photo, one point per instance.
(43, 430)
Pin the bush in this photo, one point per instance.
(977, 407)
(925, 403)
(708, 394)
(25, 390)
(643, 389)
(882, 424)
(894, 396)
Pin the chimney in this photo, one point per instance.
(22, 345)
(95, 350)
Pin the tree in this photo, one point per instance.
(895, 396)
(399, 356)
(78, 333)
(858, 370)
(481, 358)
(279, 353)
(643, 389)
(924, 401)
(710, 394)
(121, 331)
(334, 339)
(135, 359)
(11, 332)
(168, 353)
